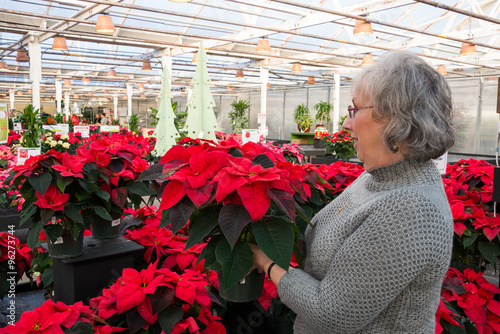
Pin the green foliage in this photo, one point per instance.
(239, 115)
(115, 122)
(302, 116)
(342, 120)
(323, 111)
(31, 120)
(133, 123)
(59, 118)
(340, 144)
(154, 116)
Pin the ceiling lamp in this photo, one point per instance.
(268, 85)
(183, 92)
(468, 49)
(362, 28)
(125, 97)
(263, 46)
(59, 44)
(195, 58)
(22, 56)
(367, 60)
(52, 98)
(42, 99)
(91, 94)
(30, 91)
(104, 24)
(296, 68)
(229, 88)
(146, 66)
(67, 83)
(75, 96)
(239, 74)
(19, 93)
(112, 73)
(143, 96)
(106, 91)
(86, 80)
(311, 80)
(442, 70)
(3, 66)
(141, 86)
(42, 88)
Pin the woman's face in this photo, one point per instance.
(367, 135)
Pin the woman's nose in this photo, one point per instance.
(347, 123)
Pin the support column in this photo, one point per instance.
(66, 105)
(115, 103)
(58, 95)
(264, 79)
(336, 101)
(12, 96)
(129, 100)
(189, 92)
(166, 61)
(35, 54)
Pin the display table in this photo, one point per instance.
(83, 277)
(302, 137)
(311, 151)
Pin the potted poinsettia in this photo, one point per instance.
(115, 163)
(54, 187)
(233, 194)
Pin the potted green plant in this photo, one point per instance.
(340, 144)
(31, 121)
(238, 116)
(133, 123)
(323, 112)
(302, 116)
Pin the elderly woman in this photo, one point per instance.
(376, 258)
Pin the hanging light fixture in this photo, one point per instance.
(30, 91)
(141, 86)
(19, 93)
(268, 85)
(143, 96)
(104, 24)
(86, 80)
(22, 56)
(239, 74)
(367, 60)
(195, 58)
(91, 94)
(362, 28)
(59, 44)
(106, 91)
(146, 66)
(43, 89)
(468, 49)
(296, 68)
(125, 97)
(42, 99)
(112, 74)
(442, 69)
(67, 83)
(311, 80)
(229, 88)
(263, 46)
(183, 92)
(75, 96)
(3, 66)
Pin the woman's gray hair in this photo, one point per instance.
(414, 99)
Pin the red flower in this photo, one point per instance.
(52, 199)
(444, 313)
(71, 165)
(42, 319)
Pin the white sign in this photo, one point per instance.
(4, 124)
(83, 129)
(60, 129)
(109, 128)
(441, 163)
(18, 127)
(145, 132)
(261, 118)
(250, 135)
(24, 153)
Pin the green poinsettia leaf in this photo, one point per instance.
(138, 188)
(284, 201)
(275, 237)
(116, 165)
(101, 212)
(34, 234)
(48, 275)
(235, 152)
(80, 328)
(73, 213)
(169, 317)
(180, 214)
(26, 215)
(489, 251)
(236, 263)
(102, 194)
(63, 182)
(200, 226)
(263, 160)
(452, 329)
(208, 254)
(232, 219)
(53, 231)
(152, 173)
(46, 214)
(134, 320)
(161, 298)
(40, 182)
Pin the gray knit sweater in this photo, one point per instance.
(376, 257)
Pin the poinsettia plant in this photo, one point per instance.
(14, 258)
(340, 144)
(234, 194)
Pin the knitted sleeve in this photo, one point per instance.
(406, 234)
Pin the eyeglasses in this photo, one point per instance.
(353, 110)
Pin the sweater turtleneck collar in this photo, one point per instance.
(405, 170)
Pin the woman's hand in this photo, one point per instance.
(260, 260)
